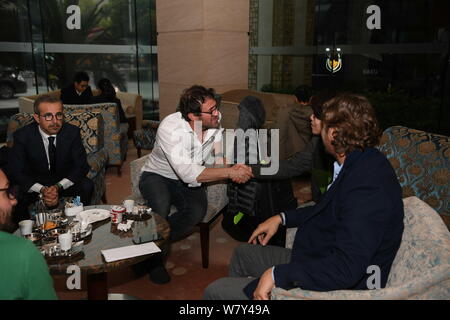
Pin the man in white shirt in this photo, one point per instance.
(175, 170)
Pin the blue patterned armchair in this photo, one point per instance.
(92, 135)
(145, 138)
(421, 162)
(421, 269)
(116, 137)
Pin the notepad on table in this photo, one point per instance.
(130, 251)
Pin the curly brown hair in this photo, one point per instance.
(354, 120)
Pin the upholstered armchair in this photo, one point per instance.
(421, 268)
(116, 133)
(145, 137)
(421, 161)
(217, 200)
(92, 132)
(131, 103)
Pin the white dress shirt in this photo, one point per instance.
(66, 183)
(178, 153)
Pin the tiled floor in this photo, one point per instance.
(189, 279)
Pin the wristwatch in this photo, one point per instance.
(59, 186)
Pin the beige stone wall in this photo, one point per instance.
(201, 42)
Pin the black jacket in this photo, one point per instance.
(357, 223)
(27, 163)
(70, 96)
(313, 159)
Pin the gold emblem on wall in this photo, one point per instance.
(334, 60)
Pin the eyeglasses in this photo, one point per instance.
(11, 192)
(214, 109)
(49, 116)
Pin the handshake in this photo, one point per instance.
(240, 173)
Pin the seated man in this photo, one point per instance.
(49, 158)
(79, 92)
(356, 224)
(24, 273)
(174, 172)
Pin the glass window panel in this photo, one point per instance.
(401, 67)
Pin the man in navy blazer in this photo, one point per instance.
(48, 157)
(357, 224)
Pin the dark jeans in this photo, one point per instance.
(161, 193)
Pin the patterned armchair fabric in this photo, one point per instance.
(421, 162)
(116, 140)
(216, 193)
(421, 269)
(92, 132)
(145, 138)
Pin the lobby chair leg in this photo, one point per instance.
(204, 242)
(104, 198)
(119, 170)
(139, 152)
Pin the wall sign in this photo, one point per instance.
(334, 60)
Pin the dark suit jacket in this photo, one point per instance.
(357, 223)
(70, 96)
(28, 161)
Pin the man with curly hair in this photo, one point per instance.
(357, 223)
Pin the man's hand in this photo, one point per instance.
(265, 286)
(50, 195)
(240, 173)
(265, 230)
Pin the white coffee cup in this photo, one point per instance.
(26, 227)
(65, 241)
(129, 205)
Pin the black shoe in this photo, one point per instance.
(158, 274)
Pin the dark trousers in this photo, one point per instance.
(84, 189)
(161, 193)
(248, 262)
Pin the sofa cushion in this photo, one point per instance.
(112, 134)
(425, 243)
(90, 124)
(91, 129)
(420, 160)
(420, 269)
(17, 121)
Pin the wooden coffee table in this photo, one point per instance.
(106, 236)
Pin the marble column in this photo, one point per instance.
(201, 42)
